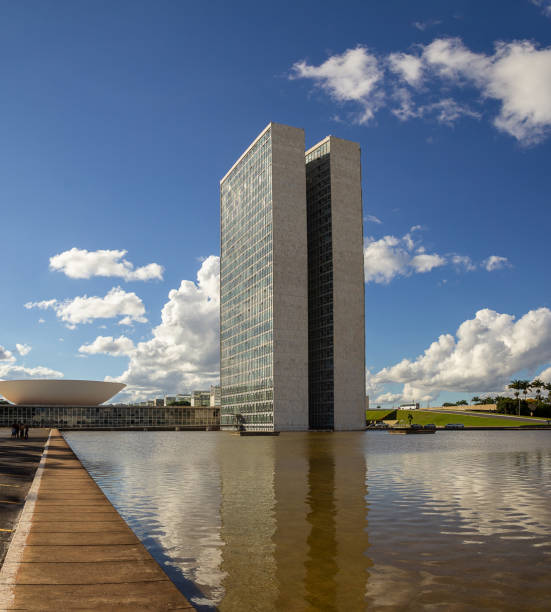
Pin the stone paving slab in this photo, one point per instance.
(70, 554)
(151, 596)
(84, 539)
(79, 554)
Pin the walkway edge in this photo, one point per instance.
(13, 557)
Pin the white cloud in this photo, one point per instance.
(41, 320)
(184, 350)
(495, 262)
(352, 76)
(517, 75)
(426, 262)
(6, 355)
(23, 349)
(84, 309)
(463, 262)
(408, 67)
(109, 346)
(448, 111)
(485, 353)
(388, 257)
(9, 372)
(80, 263)
(372, 219)
(545, 6)
(545, 375)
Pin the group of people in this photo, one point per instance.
(20, 430)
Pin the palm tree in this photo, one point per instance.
(537, 384)
(518, 386)
(476, 400)
(547, 387)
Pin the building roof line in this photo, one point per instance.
(246, 151)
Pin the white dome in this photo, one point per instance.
(59, 392)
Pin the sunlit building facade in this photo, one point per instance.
(291, 239)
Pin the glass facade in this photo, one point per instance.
(246, 290)
(320, 289)
(111, 417)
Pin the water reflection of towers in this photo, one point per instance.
(294, 522)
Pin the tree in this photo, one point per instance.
(461, 403)
(547, 387)
(537, 384)
(516, 385)
(476, 400)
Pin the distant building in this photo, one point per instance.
(112, 417)
(200, 398)
(215, 395)
(179, 398)
(159, 401)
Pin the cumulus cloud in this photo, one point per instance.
(517, 75)
(84, 309)
(495, 262)
(184, 350)
(390, 256)
(408, 67)
(6, 355)
(352, 76)
(109, 346)
(80, 263)
(23, 349)
(485, 353)
(13, 371)
(10, 370)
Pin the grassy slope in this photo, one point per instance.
(423, 417)
(377, 415)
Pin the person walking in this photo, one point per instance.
(21, 431)
(26, 431)
(14, 429)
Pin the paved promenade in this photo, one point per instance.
(18, 462)
(72, 550)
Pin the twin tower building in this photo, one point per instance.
(292, 328)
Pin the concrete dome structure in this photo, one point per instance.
(59, 392)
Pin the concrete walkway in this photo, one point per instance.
(18, 462)
(73, 551)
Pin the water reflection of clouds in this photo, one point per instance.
(282, 523)
(482, 493)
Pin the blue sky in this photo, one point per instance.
(120, 118)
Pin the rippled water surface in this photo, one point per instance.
(343, 521)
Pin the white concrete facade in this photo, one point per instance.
(290, 279)
(348, 285)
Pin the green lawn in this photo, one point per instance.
(378, 415)
(423, 417)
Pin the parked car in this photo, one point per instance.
(454, 426)
(430, 426)
(416, 426)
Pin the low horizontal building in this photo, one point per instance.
(112, 417)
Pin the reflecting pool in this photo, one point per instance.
(342, 521)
